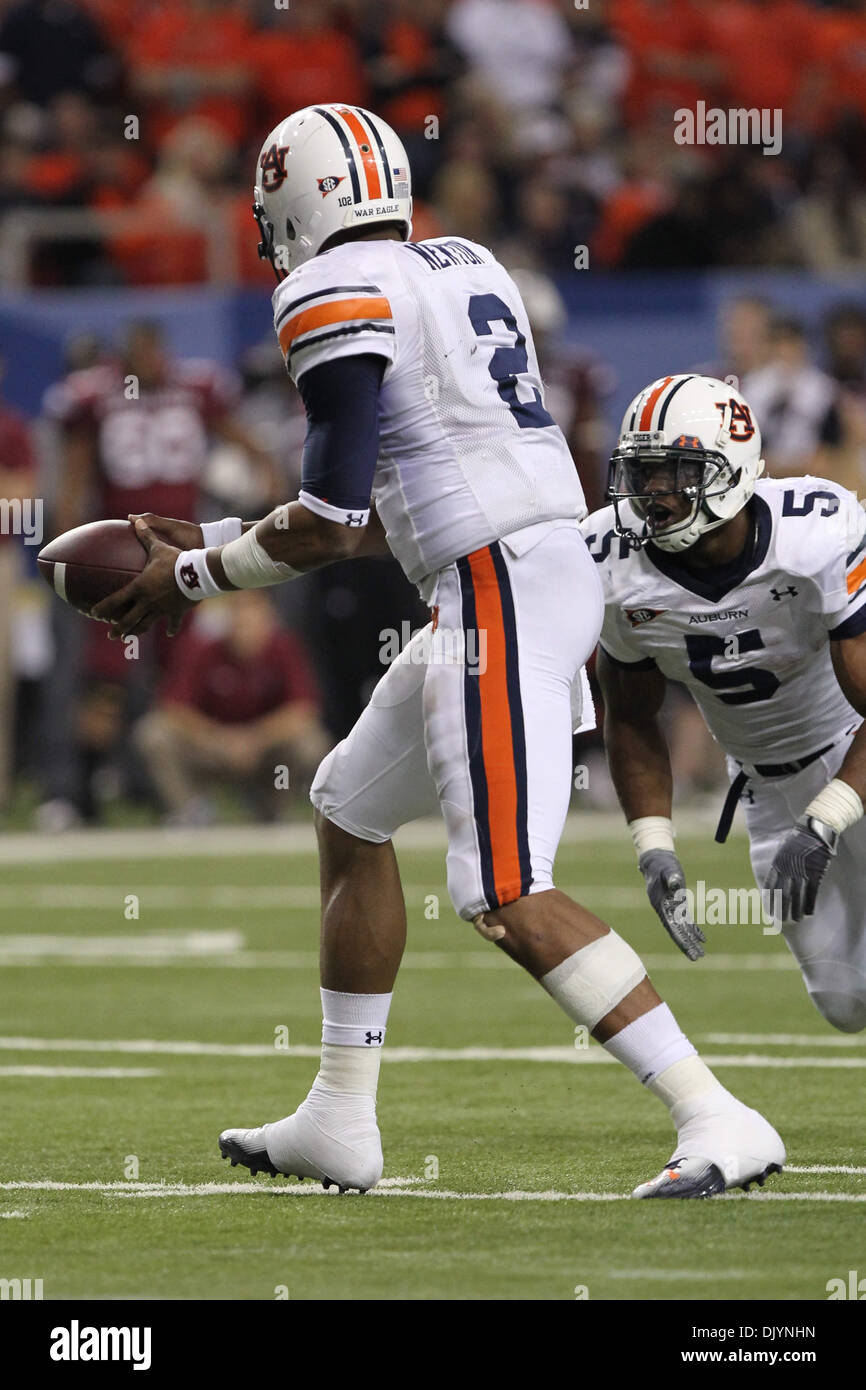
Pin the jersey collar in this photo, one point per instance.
(714, 583)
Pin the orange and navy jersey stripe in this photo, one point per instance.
(369, 172)
(853, 623)
(339, 312)
(855, 575)
(496, 738)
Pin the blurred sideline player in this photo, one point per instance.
(239, 703)
(135, 437)
(421, 384)
(752, 593)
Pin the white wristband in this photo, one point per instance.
(216, 533)
(651, 832)
(248, 565)
(838, 806)
(193, 577)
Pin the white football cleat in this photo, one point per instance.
(720, 1145)
(333, 1136)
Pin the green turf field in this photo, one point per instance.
(505, 1170)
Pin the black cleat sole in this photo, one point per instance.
(328, 1183)
(256, 1162)
(762, 1177)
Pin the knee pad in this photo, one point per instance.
(588, 984)
(838, 991)
(330, 802)
(847, 1012)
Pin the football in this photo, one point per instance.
(90, 562)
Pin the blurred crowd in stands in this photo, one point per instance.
(532, 126)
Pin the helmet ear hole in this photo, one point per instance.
(290, 230)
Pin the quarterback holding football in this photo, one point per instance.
(428, 433)
(751, 591)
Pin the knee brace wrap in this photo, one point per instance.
(590, 983)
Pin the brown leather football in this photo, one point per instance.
(90, 562)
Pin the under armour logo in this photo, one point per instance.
(371, 1038)
(354, 518)
(189, 576)
(778, 596)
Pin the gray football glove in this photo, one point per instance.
(666, 889)
(799, 867)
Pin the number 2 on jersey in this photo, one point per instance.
(508, 363)
(760, 684)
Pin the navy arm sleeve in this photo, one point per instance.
(342, 444)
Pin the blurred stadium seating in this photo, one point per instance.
(128, 138)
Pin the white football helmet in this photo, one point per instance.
(685, 436)
(322, 170)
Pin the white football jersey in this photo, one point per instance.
(467, 453)
(749, 640)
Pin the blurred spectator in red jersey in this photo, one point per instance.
(17, 483)
(239, 709)
(765, 49)
(164, 241)
(666, 41)
(136, 438)
(306, 59)
(840, 50)
(191, 58)
(136, 432)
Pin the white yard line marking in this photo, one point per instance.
(311, 1189)
(265, 897)
(14, 1215)
(83, 1073)
(827, 1168)
(708, 1275)
(594, 1055)
(786, 1039)
(165, 945)
(309, 960)
(236, 841)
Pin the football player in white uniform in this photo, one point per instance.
(421, 384)
(752, 593)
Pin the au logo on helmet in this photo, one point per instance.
(328, 184)
(273, 167)
(740, 415)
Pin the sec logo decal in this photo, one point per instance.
(328, 184)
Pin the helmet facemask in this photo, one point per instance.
(267, 247)
(650, 476)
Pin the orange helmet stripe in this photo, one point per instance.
(365, 147)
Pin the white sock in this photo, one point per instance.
(353, 1031)
(650, 1044)
(655, 1048)
(354, 1020)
